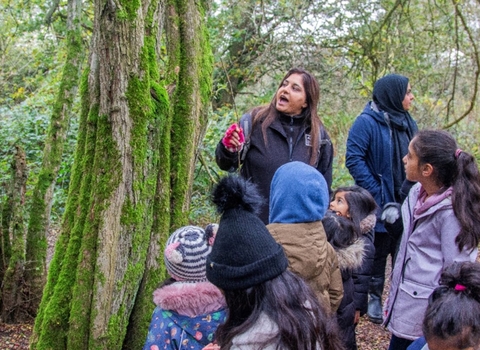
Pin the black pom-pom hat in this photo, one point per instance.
(244, 254)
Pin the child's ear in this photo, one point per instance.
(427, 170)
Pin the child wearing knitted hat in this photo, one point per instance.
(269, 306)
(299, 199)
(189, 308)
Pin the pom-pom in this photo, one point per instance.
(174, 253)
(235, 192)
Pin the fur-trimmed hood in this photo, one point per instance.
(351, 257)
(368, 223)
(190, 299)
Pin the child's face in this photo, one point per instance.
(410, 161)
(339, 205)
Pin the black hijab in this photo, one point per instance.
(388, 94)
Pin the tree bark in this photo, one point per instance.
(39, 219)
(12, 294)
(122, 206)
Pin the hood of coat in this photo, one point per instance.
(190, 299)
(371, 109)
(351, 257)
(368, 223)
(298, 193)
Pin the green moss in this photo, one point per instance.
(36, 247)
(55, 322)
(129, 9)
(195, 63)
(70, 216)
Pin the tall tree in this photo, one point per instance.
(132, 172)
(39, 218)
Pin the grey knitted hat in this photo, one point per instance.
(186, 252)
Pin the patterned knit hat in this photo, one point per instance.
(187, 250)
(245, 253)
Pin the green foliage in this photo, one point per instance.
(26, 124)
(207, 172)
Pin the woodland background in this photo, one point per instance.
(110, 111)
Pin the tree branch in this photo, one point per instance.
(477, 62)
(49, 15)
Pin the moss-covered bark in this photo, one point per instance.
(35, 270)
(52, 323)
(159, 138)
(12, 296)
(192, 91)
(124, 203)
(70, 216)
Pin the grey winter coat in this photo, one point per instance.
(427, 247)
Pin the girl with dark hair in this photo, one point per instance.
(358, 205)
(285, 130)
(452, 318)
(342, 235)
(269, 307)
(441, 220)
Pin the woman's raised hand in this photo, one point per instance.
(234, 138)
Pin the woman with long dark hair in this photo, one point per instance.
(285, 130)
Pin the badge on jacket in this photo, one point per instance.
(308, 140)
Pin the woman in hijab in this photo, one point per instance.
(376, 144)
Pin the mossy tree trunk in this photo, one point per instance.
(141, 122)
(12, 293)
(39, 218)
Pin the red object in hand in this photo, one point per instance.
(234, 138)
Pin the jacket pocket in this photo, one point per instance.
(415, 290)
(409, 308)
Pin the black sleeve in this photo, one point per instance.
(225, 159)
(361, 276)
(325, 163)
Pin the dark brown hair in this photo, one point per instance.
(269, 113)
(291, 304)
(360, 203)
(459, 170)
(453, 311)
